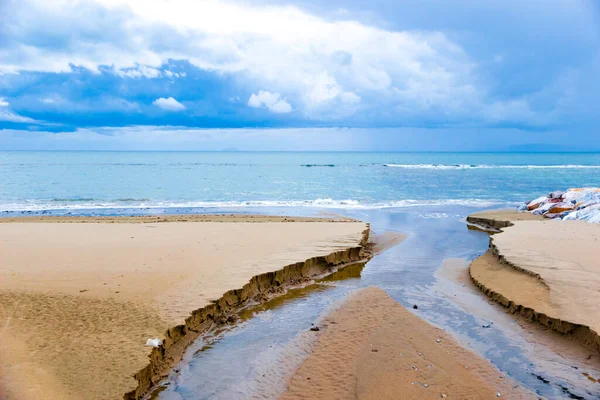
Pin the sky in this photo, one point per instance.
(422, 75)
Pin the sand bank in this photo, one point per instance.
(495, 220)
(546, 270)
(373, 348)
(79, 300)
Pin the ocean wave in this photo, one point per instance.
(73, 200)
(488, 166)
(316, 203)
(130, 200)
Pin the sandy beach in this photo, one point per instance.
(546, 270)
(80, 297)
(373, 348)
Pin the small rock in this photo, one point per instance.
(415, 307)
(156, 342)
(83, 290)
(443, 395)
(425, 385)
(439, 341)
(374, 350)
(486, 326)
(498, 394)
(315, 329)
(414, 367)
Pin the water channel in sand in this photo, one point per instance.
(254, 358)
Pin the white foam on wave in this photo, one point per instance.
(488, 166)
(317, 203)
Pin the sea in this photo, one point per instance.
(424, 195)
(156, 182)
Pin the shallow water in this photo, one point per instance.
(255, 358)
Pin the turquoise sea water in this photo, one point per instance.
(98, 181)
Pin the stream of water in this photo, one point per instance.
(254, 358)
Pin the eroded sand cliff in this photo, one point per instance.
(545, 270)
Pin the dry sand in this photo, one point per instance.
(79, 300)
(505, 215)
(373, 348)
(547, 270)
(493, 221)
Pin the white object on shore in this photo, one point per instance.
(574, 204)
(156, 342)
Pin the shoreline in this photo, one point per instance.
(146, 219)
(526, 284)
(259, 288)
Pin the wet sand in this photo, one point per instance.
(79, 300)
(373, 348)
(386, 240)
(546, 270)
(561, 362)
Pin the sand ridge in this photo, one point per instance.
(79, 300)
(373, 348)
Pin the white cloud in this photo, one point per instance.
(46, 100)
(272, 101)
(327, 68)
(141, 71)
(169, 104)
(8, 116)
(319, 63)
(350, 98)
